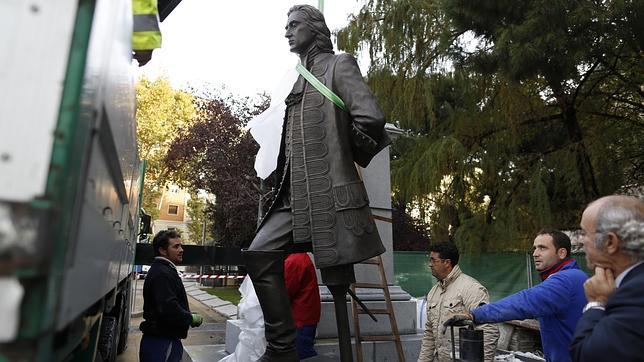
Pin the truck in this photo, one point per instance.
(70, 178)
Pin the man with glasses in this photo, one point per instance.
(557, 302)
(455, 292)
(612, 326)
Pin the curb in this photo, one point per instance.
(224, 308)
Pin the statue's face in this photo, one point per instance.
(299, 36)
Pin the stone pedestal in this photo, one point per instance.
(405, 312)
(327, 349)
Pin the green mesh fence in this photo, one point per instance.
(501, 273)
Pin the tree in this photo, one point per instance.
(217, 155)
(575, 51)
(519, 113)
(162, 114)
(411, 233)
(200, 222)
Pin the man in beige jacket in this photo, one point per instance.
(455, 292)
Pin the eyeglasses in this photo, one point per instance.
(580, 233)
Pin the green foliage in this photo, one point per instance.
(162, 113)
(518, 113)
(200, 221)
(217, 155)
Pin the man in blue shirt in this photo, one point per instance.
(557, 302)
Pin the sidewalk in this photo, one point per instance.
(225, 308)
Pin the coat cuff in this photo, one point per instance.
(362, 140)
(474, 317)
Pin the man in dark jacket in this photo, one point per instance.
(612, 326)
(556, 302)
(317, 201)
(165, 303)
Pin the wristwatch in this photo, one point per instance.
(594, 305)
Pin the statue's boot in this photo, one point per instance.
(266, 270)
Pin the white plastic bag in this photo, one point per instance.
(266, 128)
(252, 343)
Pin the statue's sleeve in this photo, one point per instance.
(368, 136)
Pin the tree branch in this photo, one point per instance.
(584, 79)
(618, 117)
(522, 123)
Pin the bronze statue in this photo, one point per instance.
(315, 200)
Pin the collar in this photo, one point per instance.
(555, 268)
(308, 58)
(455, 273)
(622, 275)
(161, 258)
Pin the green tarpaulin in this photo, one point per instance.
(501, 273)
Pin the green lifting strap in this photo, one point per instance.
(321, 87)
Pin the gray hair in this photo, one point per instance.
(315, 22)
(623, 216)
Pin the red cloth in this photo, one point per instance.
(302, 287)
(555, 268)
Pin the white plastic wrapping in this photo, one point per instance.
(252, 343)
(12, 292)
(266, 128)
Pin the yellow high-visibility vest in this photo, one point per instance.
(146, 34)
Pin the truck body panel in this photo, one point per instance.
(70, 175)
(101, 254)
(34, 52)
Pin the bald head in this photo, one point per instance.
(621, 201)
(622, 216)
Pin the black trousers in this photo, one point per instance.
(276, 233)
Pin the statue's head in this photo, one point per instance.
(305, 26)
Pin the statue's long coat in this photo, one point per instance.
(320, 143)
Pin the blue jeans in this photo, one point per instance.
(305, 341)
(159, 349)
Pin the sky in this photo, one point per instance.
(237, 45)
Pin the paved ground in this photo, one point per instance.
(212, 331)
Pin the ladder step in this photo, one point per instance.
(369, 285)
(375, 311)
(388, 310)
(379, 338)
(373, 261)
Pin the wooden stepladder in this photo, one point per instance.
(388, 310)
